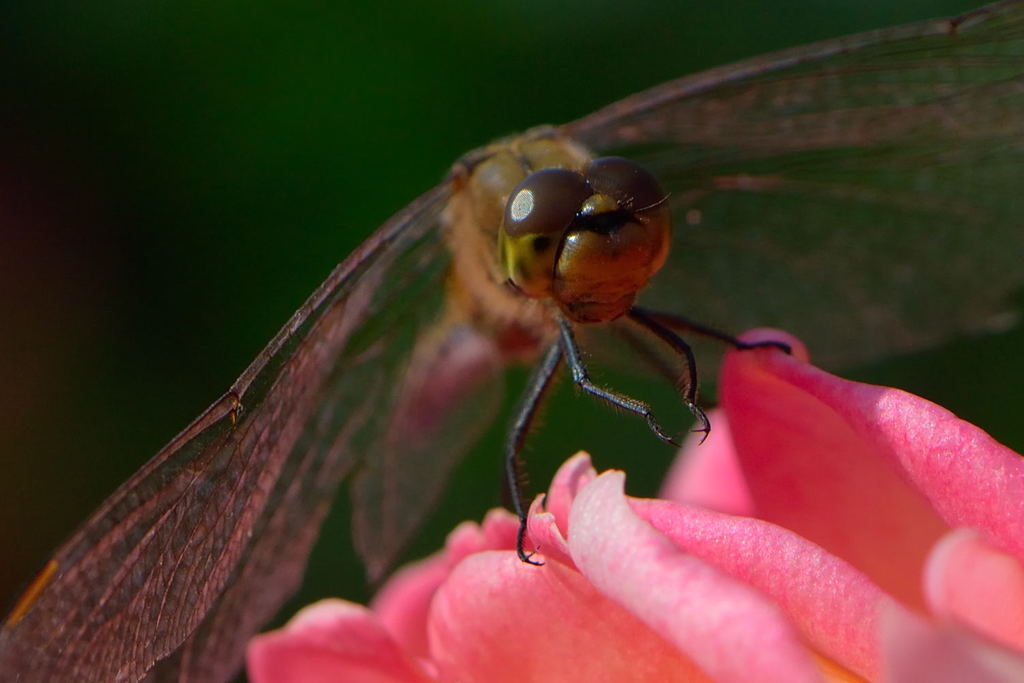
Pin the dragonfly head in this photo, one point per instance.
(588, 240)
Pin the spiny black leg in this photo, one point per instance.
(689, 386)
(582, 380)
(682, 324)
(639, 338)
(536, 387)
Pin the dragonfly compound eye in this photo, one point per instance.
(629, 183)
(619, 239)
(538, 212)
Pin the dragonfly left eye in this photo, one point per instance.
(539, 211)
(588, 240)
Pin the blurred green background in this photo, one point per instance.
(176, 178)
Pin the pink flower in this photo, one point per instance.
(827, 530)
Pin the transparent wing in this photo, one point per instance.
(200, 547)
(863, 193)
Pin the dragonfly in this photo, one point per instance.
(862, 193)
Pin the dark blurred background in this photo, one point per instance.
(176, 178)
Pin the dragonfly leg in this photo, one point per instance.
(581, 379)
(682, 324)
(689, 385)
(536, 388)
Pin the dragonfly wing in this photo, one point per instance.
(409, 426)
(273, 562)
(203, 544)
(862, 193)
(448, 396)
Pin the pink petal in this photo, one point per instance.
(544, 538)
(729, 629)
(330, 641)
(549, 514)
(967, 580)
(918, 651)
(833, 605)
(709, 474)
(497, 619)
(497, 532)
(872, 474)
(572, 476)
(403, 603)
